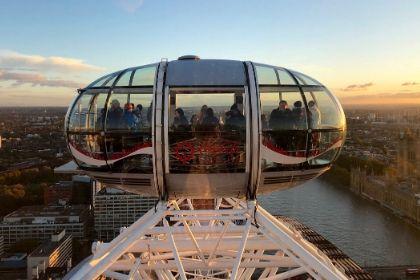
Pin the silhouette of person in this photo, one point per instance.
(280, 118)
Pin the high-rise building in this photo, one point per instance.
(115, 208)
(52, 258)
(40, 222)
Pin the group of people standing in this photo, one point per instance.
(206, 121)
(282, 118)
(287, 128)
(130, 117)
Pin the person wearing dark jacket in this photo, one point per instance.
(180, 121)
(281, 118)
(210, 123)
(114, 116)
(234, 119)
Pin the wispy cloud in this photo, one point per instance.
(410, 84)
(35, 79)
(354, 87)
(19, 61)
(130, 6)
(383, 98)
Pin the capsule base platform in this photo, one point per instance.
(236, 239)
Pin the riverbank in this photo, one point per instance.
(399, 200)
(363, 230)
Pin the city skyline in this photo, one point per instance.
(366, 53)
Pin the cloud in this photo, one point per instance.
(358, 87)
(35, 79)
(410, 84)
(19, 61)
(130, 6)
(382, 98)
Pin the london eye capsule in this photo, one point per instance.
(204, 128)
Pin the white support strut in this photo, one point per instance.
(235, 240)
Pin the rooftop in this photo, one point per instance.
(47, 247)
(46, 214)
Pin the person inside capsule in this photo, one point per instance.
(212, 141)
(115, 115)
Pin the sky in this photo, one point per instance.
(366, 52)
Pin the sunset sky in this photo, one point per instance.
(364, 51)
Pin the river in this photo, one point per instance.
(366, 232)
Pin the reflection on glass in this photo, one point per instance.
(206, 133)
(79, 116)
(85, 125)
(324, 112)
(324, 146)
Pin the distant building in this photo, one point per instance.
(408, 156)
(13, 266)
(59, 193)
(115, 208)
(52, 258)
(82, 190)
(76, 191)
(399, 196)
(40, 222)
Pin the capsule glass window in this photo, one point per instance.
(124, 80)
(284, 130)
(128, 131)
(324, 112)
(80, 114)
(144, 76)
(207, 132)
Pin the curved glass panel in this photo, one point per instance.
(327, 123)
(99, 82)
(284, 77)
(111, 81)
(273, 76)
(324, 112)
(284, 130)
(128, 133)
(85, 125)
(124, 80)
(305, 80)
(144, 76)
(266, 75)
(79, 116)
(324, 146)
(207, 132)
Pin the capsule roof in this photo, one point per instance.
(192, 71)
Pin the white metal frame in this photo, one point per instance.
(236, 240)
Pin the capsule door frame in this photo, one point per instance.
(245, 93)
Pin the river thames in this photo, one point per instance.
(366, 232)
